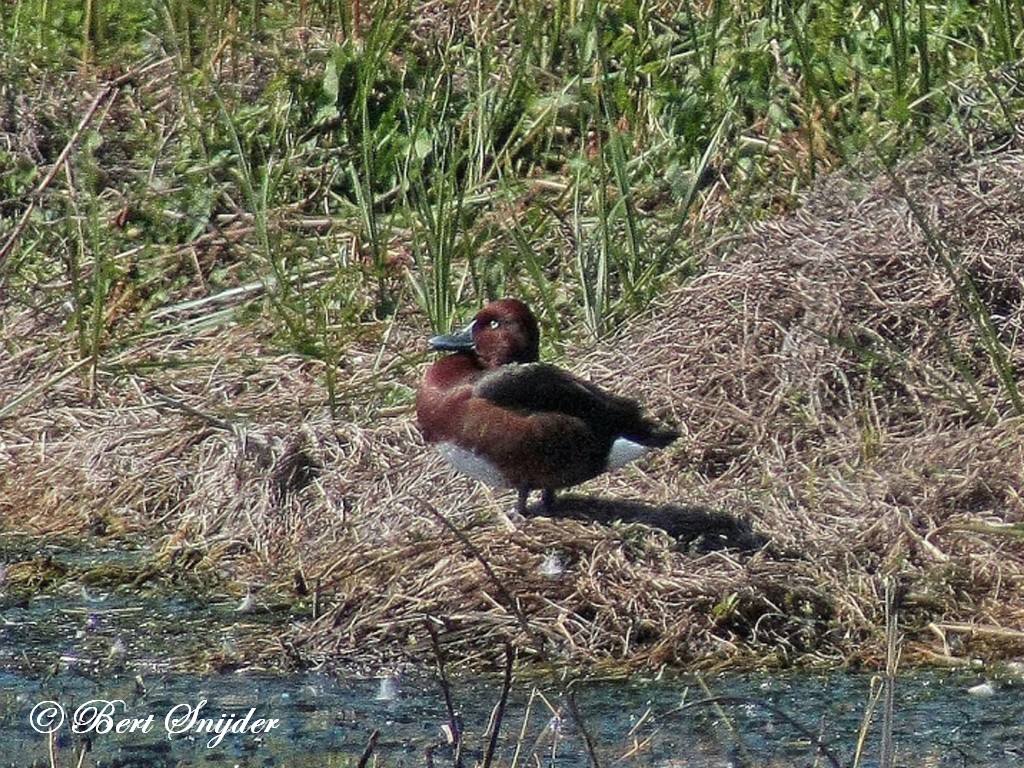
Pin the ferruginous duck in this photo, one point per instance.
(500, 416)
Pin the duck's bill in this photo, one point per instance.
(457, 341)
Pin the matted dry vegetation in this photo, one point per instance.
(843, 424)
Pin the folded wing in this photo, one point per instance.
(543, 388)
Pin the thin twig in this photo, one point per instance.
(180, 405)
(13, 405)
(510, 602)
(534, 694)
(455, 728)
(499, 709)
(588, 740)
(892, 661)
(371, 744)
(865, 722)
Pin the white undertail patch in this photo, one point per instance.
(473, 464)
(624, 451)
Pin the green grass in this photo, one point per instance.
(568, 152)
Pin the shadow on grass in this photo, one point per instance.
(696, 529)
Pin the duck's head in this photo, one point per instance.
(504, 331)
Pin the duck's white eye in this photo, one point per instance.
(494, 325)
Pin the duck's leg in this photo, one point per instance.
(524, 496)
(547, 500)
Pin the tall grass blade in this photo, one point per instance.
(968, 294)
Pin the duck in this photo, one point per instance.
(499, 415)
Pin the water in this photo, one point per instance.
(324, 721)
(116, 661)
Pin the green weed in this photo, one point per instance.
(568, 152)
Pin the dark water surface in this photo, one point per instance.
(325, 721)
(111, 661)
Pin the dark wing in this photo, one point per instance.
(539, 387)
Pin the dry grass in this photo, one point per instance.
(842, 423)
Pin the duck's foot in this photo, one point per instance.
(547, 503)
(515, 517)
